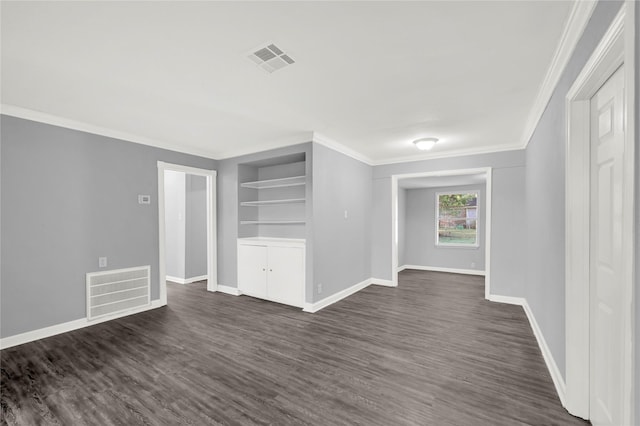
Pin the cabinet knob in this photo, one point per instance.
(263, 269)
(270, 270)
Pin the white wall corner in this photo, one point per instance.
(577, 22)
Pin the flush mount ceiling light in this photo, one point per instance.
(425, 144)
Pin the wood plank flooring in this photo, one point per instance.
(430, 352)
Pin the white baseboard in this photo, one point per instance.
(520, 301)
(438, 269)
(53, 330)
(234, 291)
(557, 378)
(186, 280)
(315, 307)
(386, 283)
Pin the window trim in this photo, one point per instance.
(439, 244)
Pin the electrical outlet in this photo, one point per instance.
(473, 264)
(346, 214)
(102, 262)
(319, 288)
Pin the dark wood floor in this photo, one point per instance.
(430, 352)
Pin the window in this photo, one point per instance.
(457, 219)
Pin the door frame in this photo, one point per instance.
(212, 256)
(615, 49)
(487, 227)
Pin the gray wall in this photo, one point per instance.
(175, 223)
(508, 231)
(637, 387)
(402, 221)
(341, 246)
(228, 212)
(545, 196)
(196, 226)
(420, 232)
(509, 193)
(69, 197)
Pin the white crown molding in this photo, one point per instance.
(304, 137)
(577, 22)
(41, 117)
(343, 149)
(451, 154)
(54, 120)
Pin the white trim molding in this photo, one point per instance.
(212, 246)
(65, 327)
(509, 300)
(577, 22)
(186, 280)
(488, 171)
(439, 269)
(617, 47)
(67, 123)
(384, 283)
(342, 149)
(554, 371)
(234, 291)
(336, 297)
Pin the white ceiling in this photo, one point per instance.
(442, 181)
(372, 76)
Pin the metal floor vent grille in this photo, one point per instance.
(112, 292)
(271, 58)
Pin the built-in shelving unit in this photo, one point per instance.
(273, 202)
(272, 222)
(276, 183)
(272, 195)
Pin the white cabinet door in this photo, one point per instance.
(285, 277)
(252, 270)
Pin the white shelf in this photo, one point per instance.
(273, 202)
(272, 222)
(276, 183)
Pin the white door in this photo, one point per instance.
(252, 270)
(286, 275)
(606, 340)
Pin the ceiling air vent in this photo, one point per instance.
(271, 58)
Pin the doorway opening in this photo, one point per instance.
(455, 244)
(187, 226)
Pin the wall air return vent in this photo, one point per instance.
(270, 58)
(114, 292)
